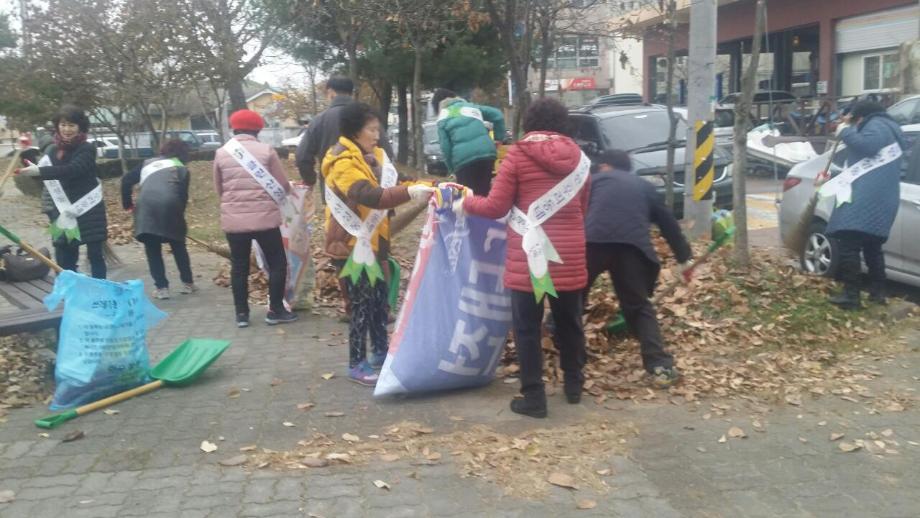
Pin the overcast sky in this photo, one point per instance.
(277, 69)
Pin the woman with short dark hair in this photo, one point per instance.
(361, 187)
(543, 182)
(72, 194)
(159, 214)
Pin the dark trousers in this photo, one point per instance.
(240, 251)
(153, 248)
(477, 175)
(569, 338)
(633, 276)
(68, 255)
(851, 243)
(369, 311)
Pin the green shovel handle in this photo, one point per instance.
(52, 421)
(9, 235)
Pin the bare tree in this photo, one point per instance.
(742, 115)
(513, 20)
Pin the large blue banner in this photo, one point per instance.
(456, 315)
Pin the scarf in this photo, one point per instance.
(64, 146)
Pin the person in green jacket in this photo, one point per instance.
(463, 134)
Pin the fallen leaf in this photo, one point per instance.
(562, 480)
(86, 502)
(434, 456)
(234, 461)
(251, 447)
(836, 436)
(381, 485)
(586, 504)
(73, 436)
(328, 376)
(701, 449)
(288, 424)
(44, 435)
(351, 437)
(794, 399)
(888, 432)
(277, 381)
(208, 447)
(7, 496)
(334, 414)
(342, 457)
(758, 426)
(389, 457)
(456, 418)
(803, 440)
(110, 411)
(848, 447)
(313, 462)
(822, 423)
(305, 406)
(736, 433)
(723, 439)
(233, 393)
(603, 472)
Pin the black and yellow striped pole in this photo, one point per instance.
(703, 168)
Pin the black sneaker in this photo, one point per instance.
(280, 317)
(664, 377)
(242, 320)
(573, 393)
(531, 406)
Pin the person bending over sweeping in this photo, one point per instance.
(868, 193)
(72, 194)
(621, 211)
(159, 214)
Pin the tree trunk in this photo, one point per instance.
(417, 111)
(739, 168)
(545, 50)
(669, 102)
(386, 101)
(236, 93)
(402, 110)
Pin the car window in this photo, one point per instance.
(724, 118)
(586, 130)
(637, 130)
(906, 112)
(910, 166)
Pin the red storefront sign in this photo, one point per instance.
(582, 83)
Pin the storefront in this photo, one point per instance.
(868, 49)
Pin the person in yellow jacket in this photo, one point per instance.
(362, 186)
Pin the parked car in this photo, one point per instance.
(106, 147)
(642, 130)
(187, 136)
(209, 140)
(434, 158)
(293, 142)
(907, 111)
(820, 256)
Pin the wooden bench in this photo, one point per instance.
(28, 313)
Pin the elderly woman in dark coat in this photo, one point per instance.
(867, 205)
(72, 194)
(159, 215)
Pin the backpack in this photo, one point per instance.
(16, 265)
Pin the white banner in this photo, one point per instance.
(157, 166)
(69, 212)
(841, 185)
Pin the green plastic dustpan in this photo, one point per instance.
(181, 367)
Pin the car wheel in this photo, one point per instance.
(820, 255)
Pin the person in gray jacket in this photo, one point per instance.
(159, 214)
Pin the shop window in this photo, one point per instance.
(880, 71)
(588, 52)
(576, 52)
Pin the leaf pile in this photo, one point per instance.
(24, 370)
(763, 333)
(258, 282)
(524, 465)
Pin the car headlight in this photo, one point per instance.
(728, 170)
(655, 179)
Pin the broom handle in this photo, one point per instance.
(118, 398)
(10, 168)
(28, 248)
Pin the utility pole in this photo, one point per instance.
(699, 172)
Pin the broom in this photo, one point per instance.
(798, 236)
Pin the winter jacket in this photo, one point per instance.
(76, 171)
(622, 209)
(465, 139)
(323, 133)
(532, 167)
(877, 195)
(244, 204)
(160, 207)
(355, 179)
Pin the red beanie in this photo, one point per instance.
(246, 120)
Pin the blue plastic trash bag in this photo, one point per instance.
(102, 346)
(456, 314)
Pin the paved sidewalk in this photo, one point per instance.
(145, 461)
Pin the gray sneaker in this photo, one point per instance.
(664, 377)
(161, 293)
(187, 289)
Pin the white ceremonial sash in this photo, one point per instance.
(841, 185)
(261, 175)
(536, 243)
(362, 231)
(157, 166)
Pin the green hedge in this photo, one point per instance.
(201, 156)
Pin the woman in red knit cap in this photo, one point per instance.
(253, 188)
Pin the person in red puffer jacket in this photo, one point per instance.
(543, 159)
